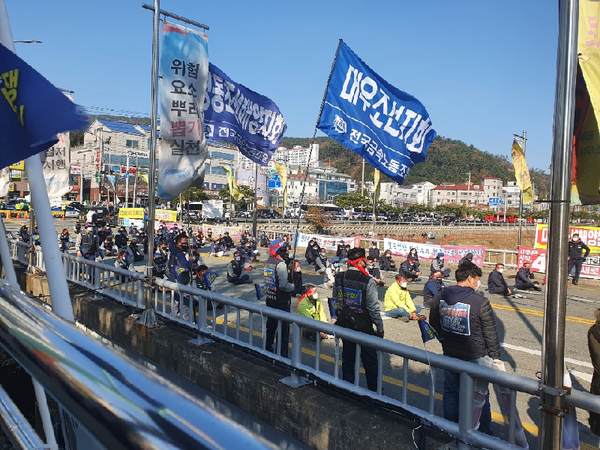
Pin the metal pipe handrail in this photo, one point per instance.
(119, 403)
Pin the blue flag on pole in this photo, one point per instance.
(427, 331)
(32, 110)
(235, 114)
(389, 128)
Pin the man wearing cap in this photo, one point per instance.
(310, 306)
(438, 265)
(357, 308)
(523, 279)
(279, 293)
(179, 271)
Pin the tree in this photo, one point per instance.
(191, 194)
(245, 201)
(354, 200)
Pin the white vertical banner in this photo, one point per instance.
(4, 181)
(56, 167)
(184, 73)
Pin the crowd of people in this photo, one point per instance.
(459, 312)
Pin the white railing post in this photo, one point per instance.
(295, 380)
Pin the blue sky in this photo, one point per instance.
(483, 69)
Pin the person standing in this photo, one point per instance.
(465, 322)
(496, 282)
(356, 291)
(279, 293)
(576, 256)
(179, 271)
(594, 348)
(64, 240)
(88, 249)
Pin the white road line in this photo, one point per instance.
(539, 353)
(582, 376)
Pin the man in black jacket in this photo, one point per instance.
(466, 325)
(523, 279)
(496, 282)
(576, 256)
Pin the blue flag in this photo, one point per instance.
(235, 114)
(427, 331)
(32, 110)
(387, 127)
(261, 291)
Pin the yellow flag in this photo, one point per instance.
(376, 183)
(522, 172)
(144, 176)
(282, 172)
(234, 191)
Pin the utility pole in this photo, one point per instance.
(524, 140)
(362, 186)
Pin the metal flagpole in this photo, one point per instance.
(524, 139)
(374, 210)
(137, 170)
(558, 230)
(255, 212)
(148, 317)
(337, 52)
(127, 181)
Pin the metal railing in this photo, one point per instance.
(118, 403)
(243, 323)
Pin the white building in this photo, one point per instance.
(397, 195)
(492, 187)
(298, 157)
(458, 194)
(511, 195)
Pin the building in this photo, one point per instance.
(470, 195)
(219, 156)
(402, 196)
(332, 183)
(511, 195)
(298, 157)
(295, 184)
(492, 187)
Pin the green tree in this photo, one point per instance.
(247, 199)
(354, 200)
(191, 194)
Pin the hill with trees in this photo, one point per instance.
(448, 160)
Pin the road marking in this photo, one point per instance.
(583, 376)
(539, 353)
(534, 312)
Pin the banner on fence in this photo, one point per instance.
(234, 232)
(428, 252)
(589, 235)
(139, 213)
(537, 258)
(327, 242)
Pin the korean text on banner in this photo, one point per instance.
(389, 128)
(184, 71)
(589, 235)
(521, 172)
(428, 252)
(235, 114)
(32, 110)
(57, 167)
(585, 177)
(326, 242)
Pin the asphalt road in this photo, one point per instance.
(519, 321)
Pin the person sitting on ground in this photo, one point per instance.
(374, 252)
(264, 240)
(398, 302)
(161, 258)
(109, 247)
(496, 282)
(234, 271)
(201, 281)
(410, 269)
(332, 269)
(321, 262)
(434, 285)
(438, 265)
(523, 279)
(121, 239)
(24, 233)
(312, 252)
(374, 271)
(296, 276)
(217, 248)
(386, 262)
(414, 256)
(135, 251)
(227, 241)
(310, 306)
(468, 258)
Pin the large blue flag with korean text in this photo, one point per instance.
(235, 114)
(389, 128)
(32, 110)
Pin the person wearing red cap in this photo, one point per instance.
(357, 308)
(279, 293)
(310, 306)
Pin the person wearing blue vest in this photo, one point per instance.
(279, 293)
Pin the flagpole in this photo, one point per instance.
(148, 318)
(337, 53)
(524, 138)
(553, 343)
(255, 212)
(57, 282)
